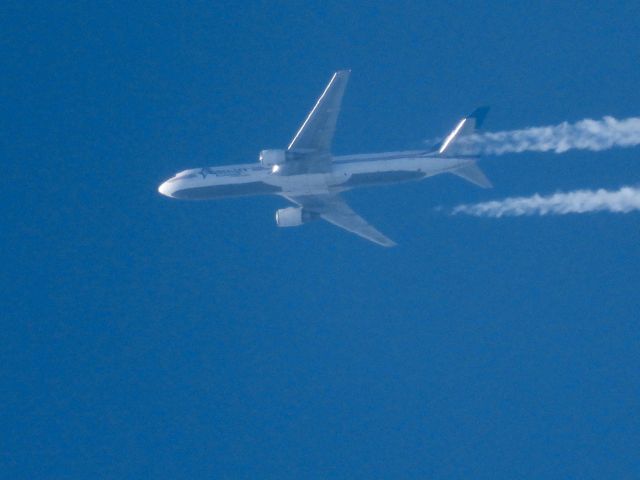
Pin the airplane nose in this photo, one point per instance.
(165, 189)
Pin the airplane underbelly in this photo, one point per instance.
(304, 184)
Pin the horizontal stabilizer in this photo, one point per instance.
(472, 173)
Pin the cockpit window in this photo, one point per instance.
(184, 173)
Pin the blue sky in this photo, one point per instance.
(145, 337)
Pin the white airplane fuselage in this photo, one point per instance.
(345, 173)
(309, 176)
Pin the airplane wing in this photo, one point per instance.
(333, 209)
(316, 133)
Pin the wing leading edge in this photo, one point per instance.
(333, 209)
(316, 133)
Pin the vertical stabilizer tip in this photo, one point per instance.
(479, 114)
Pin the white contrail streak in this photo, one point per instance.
(594, 135)
(625, 200)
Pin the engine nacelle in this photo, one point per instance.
(269, 158)
(293, 216)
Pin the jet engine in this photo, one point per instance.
(269, 158)
(293, 217)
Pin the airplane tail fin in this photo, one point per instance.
(466, 126)
(472, 173)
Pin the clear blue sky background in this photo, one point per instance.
(150, 338)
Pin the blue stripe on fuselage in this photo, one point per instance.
(232, 190)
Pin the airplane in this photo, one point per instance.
(308, 175)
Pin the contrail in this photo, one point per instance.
(594, 135)
(625, 200)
